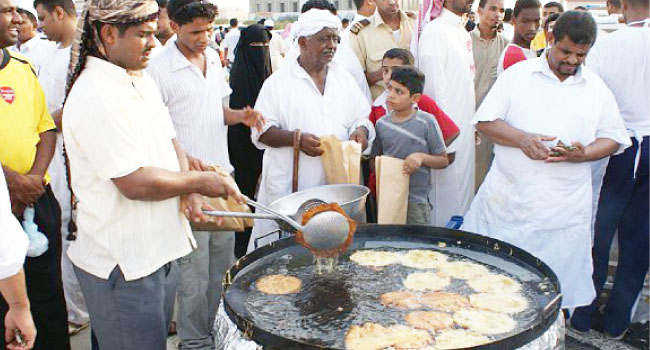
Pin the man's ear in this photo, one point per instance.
(59, 13)
(175, 27)
(302, 41)
(550, 37)
(415, 98)
(108, 34)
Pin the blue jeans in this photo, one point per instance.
(129, 315)
(623, 205)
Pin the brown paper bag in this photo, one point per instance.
(229, 223)
(341, 160)
(392, 190)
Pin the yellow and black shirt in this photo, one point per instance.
(23, 113)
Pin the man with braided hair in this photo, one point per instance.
(130, 176)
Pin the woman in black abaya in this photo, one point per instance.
(251, 67)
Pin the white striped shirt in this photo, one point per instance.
(195, 103)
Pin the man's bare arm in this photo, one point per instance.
(277, 138)
(44, 153)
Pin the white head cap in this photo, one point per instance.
(313, 21)
(28, 6)
(269, 23)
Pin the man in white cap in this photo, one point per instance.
(277, 47)
(29, 43)
(308, 97)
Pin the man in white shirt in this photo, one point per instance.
(445, 57)
(230, 42)
(622, 60)
(131, 178)
(191, 81)
(59, 22)
(29, 44)
(308, 98)
(537, 194)
(344, 56)
(13, 248)
(277, 47)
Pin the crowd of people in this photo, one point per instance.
(530, 123)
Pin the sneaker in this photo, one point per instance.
(618, 337)
(74, 328)
(576, 330)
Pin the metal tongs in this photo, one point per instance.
(324, 231)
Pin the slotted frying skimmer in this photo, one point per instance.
(325, 227)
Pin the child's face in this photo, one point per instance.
(399, 98)
(387, 65)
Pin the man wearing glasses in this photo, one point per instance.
(307, 98)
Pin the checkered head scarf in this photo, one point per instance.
(95, 13)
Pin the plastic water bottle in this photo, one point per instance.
(38, 243)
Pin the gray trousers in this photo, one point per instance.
(199, 287)
(130, 315)
(418, 214)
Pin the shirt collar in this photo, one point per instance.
(477, 33)
(179, 61)
(379, 21)
(543, 68)
(380, 101)
(451, 17)
(30, 44)
(110, 70)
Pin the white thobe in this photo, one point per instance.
(13, 240)
(445, 57)
(622, 60)
(277, 50)
(53, 76)
(290, 100)
(545, 208)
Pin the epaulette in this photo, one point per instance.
(359, 25)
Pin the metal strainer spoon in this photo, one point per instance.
(324, 231)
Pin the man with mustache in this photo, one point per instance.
(307, 98)
(131, 178)
(389, 28)
(525, 19)
(445, 57)
(191, 81)
(27, 140)
(537, 194)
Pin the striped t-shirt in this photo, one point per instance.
(419, 134)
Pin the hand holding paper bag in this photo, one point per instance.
(341, 160)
